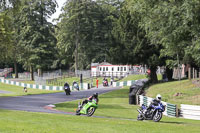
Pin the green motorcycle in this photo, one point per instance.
(87, 109)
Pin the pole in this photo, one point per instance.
(179, 74)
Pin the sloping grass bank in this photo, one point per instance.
(176, 92)
(137, 77)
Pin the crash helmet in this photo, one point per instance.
(158, 97)
(95, 95)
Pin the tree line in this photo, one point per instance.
(144, 32)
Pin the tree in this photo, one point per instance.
(83, 33)
(137, 47)
(36, 35)
(5, 37)
(174, 25)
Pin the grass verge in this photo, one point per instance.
(18, 91)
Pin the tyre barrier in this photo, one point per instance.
(83, 86)
(135, 90)
(170, 110)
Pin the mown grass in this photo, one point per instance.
(115, 105)
(18, 91)
(134, 77)
(118, 115)
(69, 80)
(137, 77)
(28, 122)
(189, 93)
(27, 81)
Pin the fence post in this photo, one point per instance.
(193, 73)
(199, 75)
(177, 114)
(189, 73)
(137, 99)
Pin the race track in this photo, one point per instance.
(37, 103)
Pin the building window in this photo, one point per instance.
(124, 68)
(118, 68)
(121, 68)
(112, 68)
(106, 68)
(100, 68)
(103, 68)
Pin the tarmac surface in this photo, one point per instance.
(43, 102)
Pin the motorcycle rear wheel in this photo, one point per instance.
(157, 117)
(90, 111)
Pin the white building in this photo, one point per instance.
(108, 70)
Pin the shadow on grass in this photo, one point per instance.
(172, 122)
(75, 105)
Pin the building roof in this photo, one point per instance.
(105, 63)
(94, 64)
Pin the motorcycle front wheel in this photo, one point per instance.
(78, 112)
(90, 111)
(157, 117)
(140, 117)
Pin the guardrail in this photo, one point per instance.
(130, 82)
(170, 110)
(83, 86)
(190, 112)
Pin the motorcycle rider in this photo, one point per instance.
(67, 88)
(75, 84)
(154, 102)
(93, 97)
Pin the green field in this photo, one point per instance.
(18, 91)
(117, 116)
(27, 122)
(137, 77)
(190, 94)
(134, 77)
(114, 105)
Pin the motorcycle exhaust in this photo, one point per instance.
(139, 111)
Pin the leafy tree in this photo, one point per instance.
(83, 33)
(174, 24)
(36, 35)
(5, 37)
(136, 47)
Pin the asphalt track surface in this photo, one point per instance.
(39, 103)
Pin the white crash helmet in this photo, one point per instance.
(158, 97)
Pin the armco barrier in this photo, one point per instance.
(83, 86)
(130, 83)
(123, 83)
(190, 112)
(170, 110)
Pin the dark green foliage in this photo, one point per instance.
(36, 35)
(84, 33)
